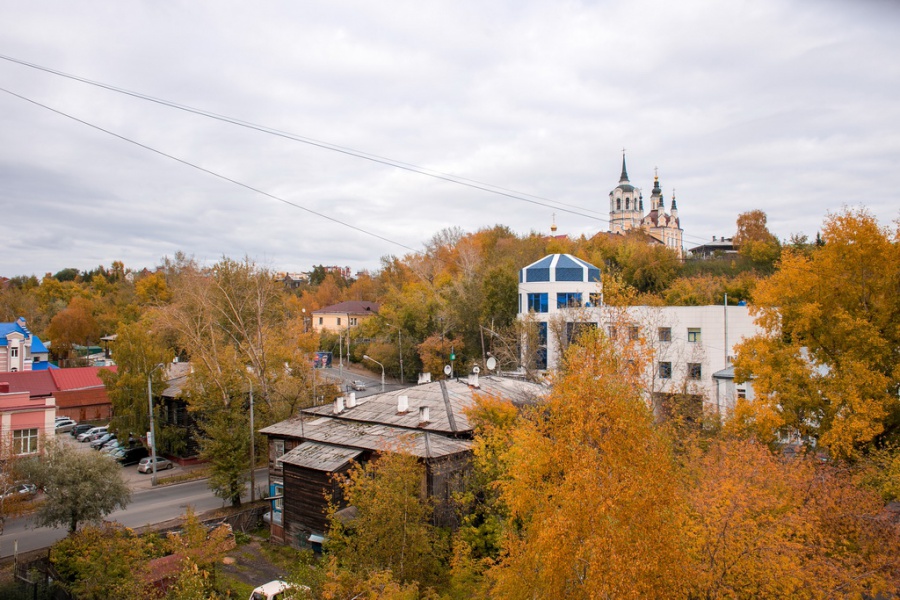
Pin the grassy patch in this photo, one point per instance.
(182, 477)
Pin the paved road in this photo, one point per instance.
(148, 506)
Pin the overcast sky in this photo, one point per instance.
(787, 107)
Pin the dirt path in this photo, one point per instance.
(251, 565)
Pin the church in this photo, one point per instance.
(626, 212)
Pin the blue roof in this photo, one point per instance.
(559, 267)
(7, 328)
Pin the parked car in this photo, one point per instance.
(88, 435)
(103, 439)
(20, 489)
(274, 590)
(130, 456)
(81, 428)
(146, 464)
(359, 386)
(64, 425)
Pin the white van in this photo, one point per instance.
(274, 590)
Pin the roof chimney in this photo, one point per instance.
(424, 414)
(338, 405)
(351, 401)
(403, 404)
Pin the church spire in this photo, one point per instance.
(623, 178)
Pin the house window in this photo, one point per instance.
(14, 352)
(694, 334)
(665, 334)
(665, 370)
(568, 299)
(596, 298)
(25, 441)
(279, 452)
(320, 320)
(353, 322)
(339, 321)
(633, 332)
(695, 370)
(741, 394)
(277, 489)
(537, 303)
(611, 332)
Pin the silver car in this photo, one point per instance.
(88, 435)
(63, 425)
(146, 464)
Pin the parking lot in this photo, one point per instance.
(134, 479)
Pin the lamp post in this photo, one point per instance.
(367, 357)
(152, 426)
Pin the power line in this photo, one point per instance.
(207, 171)
(471, 183)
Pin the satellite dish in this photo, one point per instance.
(476, 370)
(447, 370)
(491, 363)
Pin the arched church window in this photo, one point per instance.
(627, 204)
(618, 204)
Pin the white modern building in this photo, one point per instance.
(563, 294)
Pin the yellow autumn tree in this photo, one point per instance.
(827, 366)
(767, 525)
(594, 505)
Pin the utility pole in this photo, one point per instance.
(252, 450)
(152, 425)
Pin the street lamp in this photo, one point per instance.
(152, 427)
(367, 357)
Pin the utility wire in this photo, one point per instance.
(471, 183)
(207, 171)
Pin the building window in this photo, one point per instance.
(694, 334)
(596, 298)
(695, 370)
(665, 334)
(339, 321)
(25, 441)
(537, 303)
(540, 361)
(279, 452)
(353, 322)
(320, 320)
(276, 490)
(633, 332)
(568, 299)
(611, 332)
(741, 394)
(14, 352)
(574, 330)
(665, 370)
